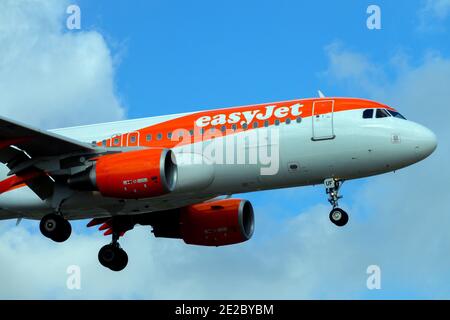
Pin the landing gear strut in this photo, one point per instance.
(55, 227)
(112, 256)
(338, 216)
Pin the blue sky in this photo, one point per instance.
(143, 58)
(177, 56)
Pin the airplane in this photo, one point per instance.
(177, 173)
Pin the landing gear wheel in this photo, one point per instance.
(64, 232)
(55, 227)
(113, 257)
(339, 217)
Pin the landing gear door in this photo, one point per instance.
(322, 120)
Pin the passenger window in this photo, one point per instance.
(159, 136)
(368, 114)
(148, 137)
(381, 113)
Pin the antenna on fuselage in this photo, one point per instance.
(321, 95)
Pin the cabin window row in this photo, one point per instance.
(224, 128)
(159, 136)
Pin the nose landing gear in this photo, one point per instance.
(338, 216)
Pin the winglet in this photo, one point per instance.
(321, 95)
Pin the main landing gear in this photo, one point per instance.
(338, 216)
(55, 227)
(112, 256)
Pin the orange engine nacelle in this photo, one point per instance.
(130, 175)
(217, 223)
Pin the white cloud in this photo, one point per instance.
(50, 76)
(351, 68)
(305, 260)
(439, 9)
(432, 14)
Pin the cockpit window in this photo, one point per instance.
(381, 113)
(396, 114)
(368, 114)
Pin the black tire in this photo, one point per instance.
(55, 227)
(121, 262)
(339, 217)
(49, 224)
(64, 232)
(113, 257)
(106, 255)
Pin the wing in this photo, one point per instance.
(17, 139)
(22, 145)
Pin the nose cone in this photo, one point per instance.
(426, 142)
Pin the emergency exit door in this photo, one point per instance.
(322, 120)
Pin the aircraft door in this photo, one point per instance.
(133, 139)
(116, 140)
(322, 120)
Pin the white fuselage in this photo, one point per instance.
(342, 144)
